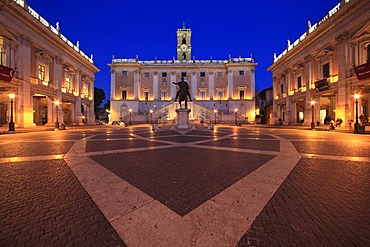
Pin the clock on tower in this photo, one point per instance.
(183, 43)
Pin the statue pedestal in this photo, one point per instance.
(183, 118)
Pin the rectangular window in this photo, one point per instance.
(163, 95)
(2, 56)
(183, 74)
(219, 74)
(146, 96)
(299, 81)
(220, 95)
(281, 88)
(164, 74)
(326, 70)
(241, 94)
(41, 72)
(146, 74)
(202, 74)
(124, 73)
(68, 83)
(84, 89)
(202, 95)
(241, 72)
(124, 95)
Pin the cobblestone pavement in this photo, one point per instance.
(235, 186)
(41, 201)
(324, 201)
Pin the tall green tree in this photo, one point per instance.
(99, 96)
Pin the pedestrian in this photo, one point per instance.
(280, 121)
(350, 121)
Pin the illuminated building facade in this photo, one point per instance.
(142, 86)
(329, 64)
(42, 68)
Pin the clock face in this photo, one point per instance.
(183, 47)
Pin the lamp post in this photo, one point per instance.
(56, 119)
(236, 116)
(130, 110)
(356, 129)
(11, 123)
(151, 116)
(215, 112)
(313, 115)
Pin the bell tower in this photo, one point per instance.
(183, 43)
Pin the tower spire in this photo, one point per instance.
(183, 25)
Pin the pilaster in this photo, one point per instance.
(112, 83)
(253, 82)
(230, 87)
(136, 84)
(173, 86)
(194, 84)
(155, 85)
(211, 85)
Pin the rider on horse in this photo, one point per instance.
(183, 92)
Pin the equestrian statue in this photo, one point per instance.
(183, 92)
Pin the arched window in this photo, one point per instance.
(183, 41)
(368, 53)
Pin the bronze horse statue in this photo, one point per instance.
(183, 92)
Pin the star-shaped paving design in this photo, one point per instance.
(181, 187)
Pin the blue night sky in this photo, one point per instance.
(148, 28)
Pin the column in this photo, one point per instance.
(78, 81)
(344, 98)
(194, 83)
(173, 86)
(275, 87)
(136, 84)
(211, 85)
(288, 106)
(112, 84)
(58, 73)
(155, 85)
(91, 93)
(77, 111)
(50, 112)
(23, 102)
(72, 114)
(230, 84)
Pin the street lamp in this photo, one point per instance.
(313, 115)
(356, 130)
(151, 116)
(130, 110)
(215, 112)
(236, 116)
(11, 123)
(56, 120)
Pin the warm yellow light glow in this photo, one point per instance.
(357, 96)
(130, 110)
(215, 110)
(56, 102)
(151, 111)
(312, 102)
(12, 95)
(236, 110)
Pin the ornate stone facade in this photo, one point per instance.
(224, 85)
(46, 68)
(320, 66)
